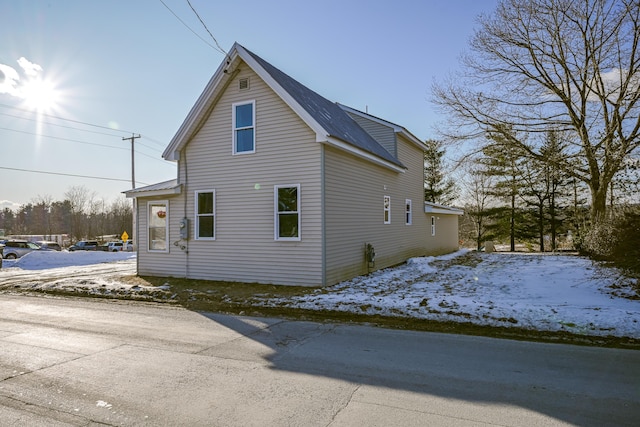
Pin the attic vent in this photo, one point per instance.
(243, 84)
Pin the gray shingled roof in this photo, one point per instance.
(171, 184)
(329, 115)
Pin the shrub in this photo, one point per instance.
(616, 240)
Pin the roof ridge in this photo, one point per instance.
(327, 113)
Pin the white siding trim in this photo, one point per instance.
(408, 212)
(196, 215)
(150, 204)
(276, 217)
(386, 205)
(234, 128)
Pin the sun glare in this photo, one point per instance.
(40, 95)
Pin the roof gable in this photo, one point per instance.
(327, 119)
(327, 114)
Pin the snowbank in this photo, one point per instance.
(43, 260)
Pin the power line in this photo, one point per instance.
(155, 141)
(64, 139)
(58, 125)
(86, 143)
(205, 27)
(68, 174)
(190, 29)
(62, 118)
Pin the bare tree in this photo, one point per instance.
(79, 198)
(569, 65)
(477, 187)
(122, 215)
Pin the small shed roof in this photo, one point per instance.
(165, 188)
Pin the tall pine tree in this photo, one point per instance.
(438, 187)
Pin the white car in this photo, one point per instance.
(16, 248)
(114, 246)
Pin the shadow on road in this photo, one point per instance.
(578, 385)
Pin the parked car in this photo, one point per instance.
(46, 245)
(1, 255)
(16, 248)
(114, 246)
(84, 245)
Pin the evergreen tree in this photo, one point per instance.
(504, 161)
(438, 188)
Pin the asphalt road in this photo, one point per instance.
(80, 362)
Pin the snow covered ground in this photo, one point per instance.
(533, 291)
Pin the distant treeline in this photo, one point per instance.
(80, 215)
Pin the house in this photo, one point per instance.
(276, 184)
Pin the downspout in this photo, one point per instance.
(186, 181)
(323, 220)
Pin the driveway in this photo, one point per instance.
(79, 362)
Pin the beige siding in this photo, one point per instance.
(355, 191)
(245, 249)
(381, 133)
(155, 263)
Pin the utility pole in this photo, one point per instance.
(133, 137)
(134, 225)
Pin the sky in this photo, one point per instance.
(77, 76)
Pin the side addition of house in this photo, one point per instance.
(276, 184)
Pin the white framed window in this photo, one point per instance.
(433, 225)
(387, 209)
(287, 212)
(244, 127)
(407, 212)
(158, 226)
(205, 215)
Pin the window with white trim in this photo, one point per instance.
(287, 212)
(205, 215)
(244, 127)
(387, 209)
(433, 225)
(407, 212)
(158, 226)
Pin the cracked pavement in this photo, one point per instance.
(79, 362)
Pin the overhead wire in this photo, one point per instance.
(86, 143)
(206, 28)
(65, 139)
(70, 174)
(65, 119)
(219, 49)
(59, 125)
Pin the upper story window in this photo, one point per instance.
(244, 128)
(158, 226)
(205, 215)
(287, 212)
(407, 212)
(433, 225)
(387, 209)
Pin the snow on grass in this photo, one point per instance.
(533, 291)
(95, 272)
